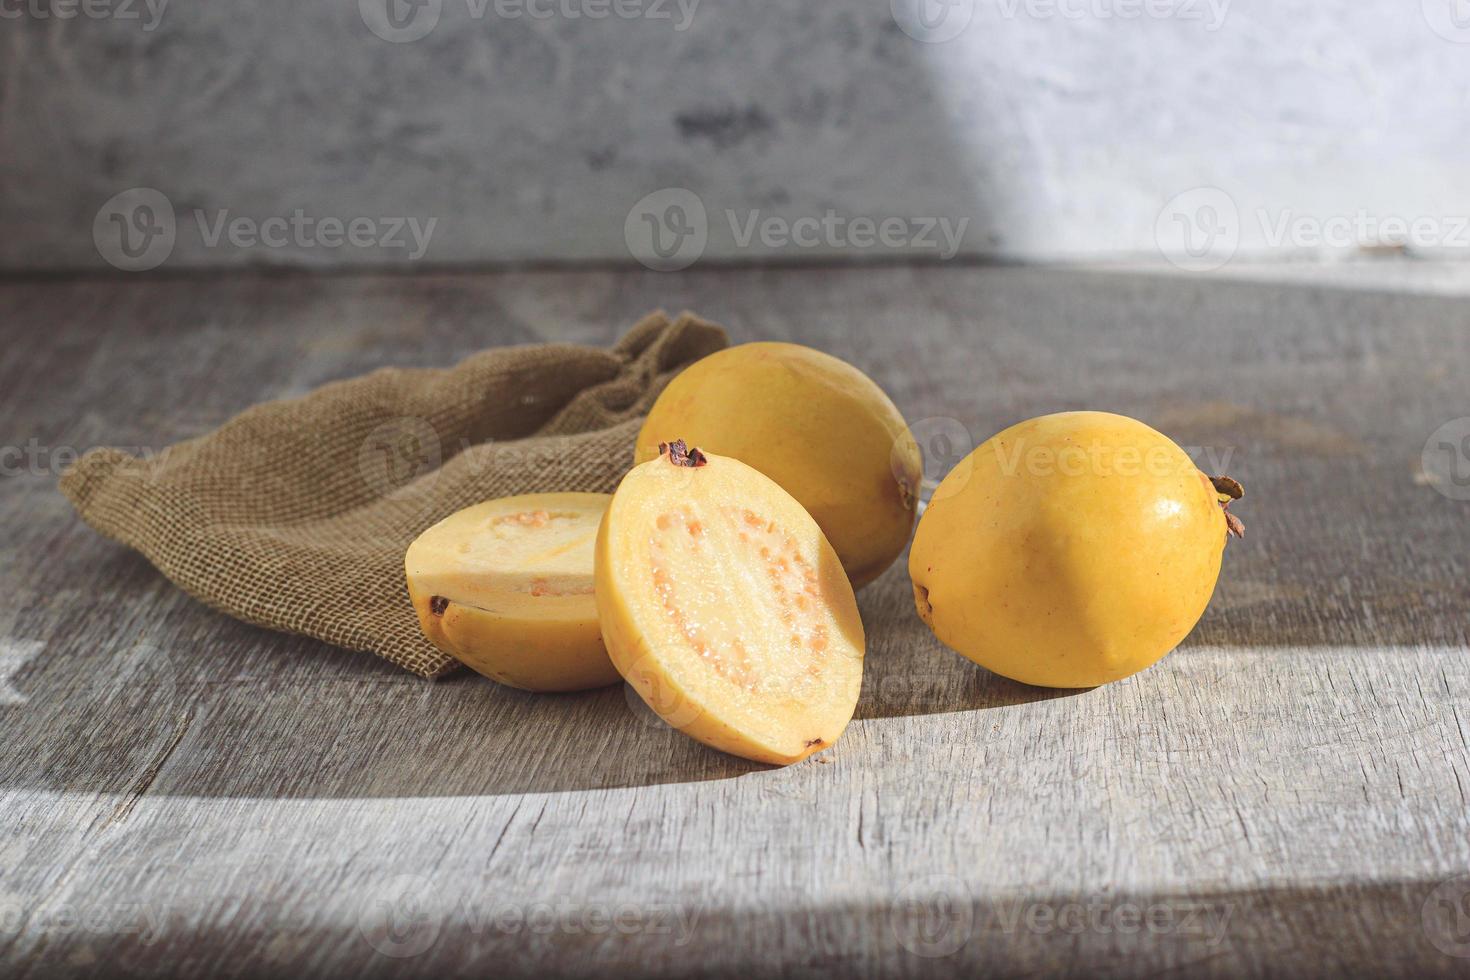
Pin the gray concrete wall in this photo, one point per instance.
(192, 133)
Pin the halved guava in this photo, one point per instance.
(506, 588)
(726, 609)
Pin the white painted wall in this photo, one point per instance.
(1041, 130)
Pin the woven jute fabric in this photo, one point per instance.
(296, 514)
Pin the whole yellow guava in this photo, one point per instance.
(1071, 550)
(819, 427)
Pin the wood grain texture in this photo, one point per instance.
(1287, 793)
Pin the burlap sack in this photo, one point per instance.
(296, 514)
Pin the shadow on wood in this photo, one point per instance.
(909, 672)
(939, 926)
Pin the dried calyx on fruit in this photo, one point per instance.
(680, 454)
(1229, 491)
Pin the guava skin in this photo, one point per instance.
(819, 427)
(1069, 551)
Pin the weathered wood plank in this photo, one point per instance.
(1284, 794)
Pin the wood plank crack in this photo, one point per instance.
(149, 775)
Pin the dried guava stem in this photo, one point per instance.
(1227, 486)
(906, 494)
(680, 454)
(922, 603)
(1231, 489)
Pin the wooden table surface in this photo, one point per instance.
(1287, 793)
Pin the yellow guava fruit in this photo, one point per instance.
(817, 426)
(1071, 550)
